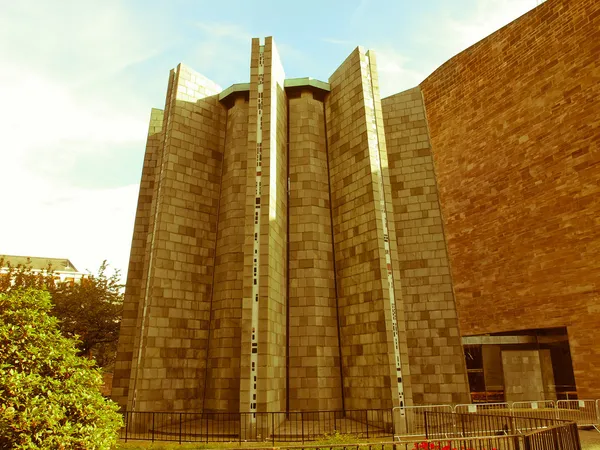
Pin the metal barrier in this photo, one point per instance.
(412, 422)
(483, 408)
(468, 424)
(583, 412)
(544, 409)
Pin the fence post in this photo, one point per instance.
(512, 424)
(367, 422)
(152, 427)
(555, 438)
(334, 422)
(180, 422)
(575, 434)
(126, 425)
(518, 442)
(302, 421)
(273, 427)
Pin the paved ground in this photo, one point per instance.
(590, 439)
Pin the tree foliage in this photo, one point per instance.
(89, 309)
(49, 396)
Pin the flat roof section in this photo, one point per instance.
(290, 85)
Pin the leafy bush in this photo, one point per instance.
(89, 309)
(49, 396)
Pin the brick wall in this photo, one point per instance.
(515, 132)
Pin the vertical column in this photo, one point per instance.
(222, 388)
(379, 164)
(170, 350)
(367, 298)
(436, 355)
(263, 314)
(122, 372)
(314, 366)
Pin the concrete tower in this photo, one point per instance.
(288, 251)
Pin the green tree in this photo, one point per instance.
(89, 310)
(49, 396)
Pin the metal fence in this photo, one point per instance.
(412, 422)
(256, 427)
(483, 408)
(585, 413)
(440, 424)
(542, 408)
(465, 421)
(559, 437)
(582, 412)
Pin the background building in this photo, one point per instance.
(290, 251)
(62, 269)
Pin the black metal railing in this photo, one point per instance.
(256, 427)
(564, 436)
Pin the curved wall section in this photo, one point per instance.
(222, 389)
(515, 131)
(314, 360)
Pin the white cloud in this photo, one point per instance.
(336, 41)
(227, 43)
(394, 74)
(60, 69)
(489, 16)
(224, 30)
(466, 26)
(443, 36)
(86, 226)
(55, 62)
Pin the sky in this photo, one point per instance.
(78, 79)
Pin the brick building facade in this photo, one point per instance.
(515, 133)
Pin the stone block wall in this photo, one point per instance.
(139, 248)
(223, 376)
(436, 357)
(313, 343)
(368, 355)
(526, 374)
(169, 358)
(277, 261)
